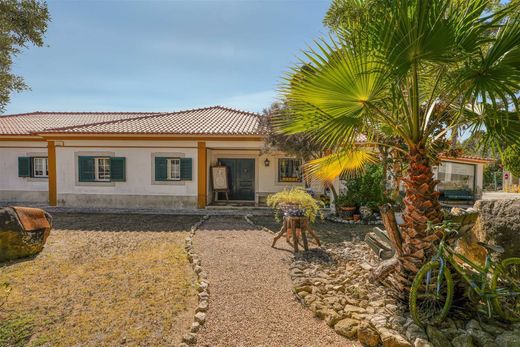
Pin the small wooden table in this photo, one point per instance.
(296, 228)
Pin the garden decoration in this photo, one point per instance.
(496, 284)
(23, 231)
(299, 209)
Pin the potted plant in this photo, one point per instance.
(347, 204)
(295, 202)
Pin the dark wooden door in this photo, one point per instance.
(241, 178)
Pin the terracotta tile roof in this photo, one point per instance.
(29, 123)
(467, 158)
(215, 120)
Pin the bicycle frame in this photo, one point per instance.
(446, 254)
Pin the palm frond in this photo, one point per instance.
(344, 162)
(331, 96)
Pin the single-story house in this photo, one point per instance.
(138, 160)
(153, 160)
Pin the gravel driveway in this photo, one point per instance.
(251, 302)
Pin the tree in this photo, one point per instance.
(301, 145)
(22, 23)
(511, 160)
(421, 71)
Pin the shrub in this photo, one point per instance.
(367, 189)
(295, 197)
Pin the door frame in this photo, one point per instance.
(255, 173)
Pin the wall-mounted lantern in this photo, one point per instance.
(267, 162)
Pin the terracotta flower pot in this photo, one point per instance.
(348, 212)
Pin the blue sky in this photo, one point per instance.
(165, 55)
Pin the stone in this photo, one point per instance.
(190, 339)
(200, 317)
(492, 329)
(391, 338)
(17, 242)
(509, 339)
(203, 306)
(347, 327)
(422, 343)
(481, 338)
(303, 294)
(309, 299)
(436, 337)
(195, 327)
(463, 340)
(203, 295)
(203, 286)
(378, 321)
(353, 309)
(332, 318)
(472, 324)
(413, 332)
(367, 335)
(499, 224)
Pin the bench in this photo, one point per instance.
(459, 194)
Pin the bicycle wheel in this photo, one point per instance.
(506, 284)
(431, 294)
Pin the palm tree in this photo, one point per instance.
(420, 73)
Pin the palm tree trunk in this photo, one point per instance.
(421, 205)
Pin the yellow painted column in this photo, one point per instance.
(51, 162)
(202, 175)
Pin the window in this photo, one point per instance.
(40, 167)
(289, 170)
(102, 169)
(456, 176)
(173, 169)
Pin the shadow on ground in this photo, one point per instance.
(328, 232)
(122, 222)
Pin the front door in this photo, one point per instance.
(241, 178)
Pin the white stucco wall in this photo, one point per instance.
(139, 187)
(21, 189)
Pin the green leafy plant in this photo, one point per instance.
(366, 189)
(295, 198)
(346, 200)
(511, 161)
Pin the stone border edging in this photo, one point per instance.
(351, 222)
(203, 286)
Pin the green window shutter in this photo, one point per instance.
(118, 169)
(160, 169)
(24, 166)
(186, 169)
(86, 169)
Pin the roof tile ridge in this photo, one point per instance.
(99, 123)
(238, 110)
(21, 114)
(78, 112)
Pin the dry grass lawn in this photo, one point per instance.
(102, 280)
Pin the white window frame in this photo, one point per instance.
(40, 164)
(98, 172)
(173, 169)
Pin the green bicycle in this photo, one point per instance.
(495, 284)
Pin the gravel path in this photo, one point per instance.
(251, 302)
